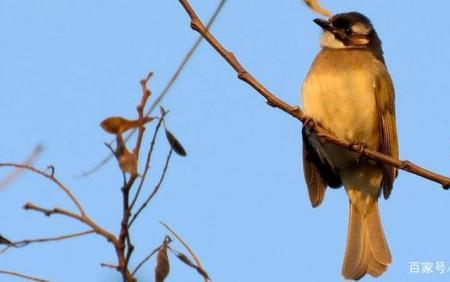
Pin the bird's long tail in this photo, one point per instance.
(367, 250)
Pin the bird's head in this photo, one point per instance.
(348, 30)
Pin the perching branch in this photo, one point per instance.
(296, 112)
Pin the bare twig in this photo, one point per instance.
(51, 177)
(30, 278)
(16, 172)
(110, 265)
(188, 248)
(23, 243)
(147, 163)
(142, 262)
(155, 190)
(297, 113)
(26, 242)
(82, 218)
(168, 86)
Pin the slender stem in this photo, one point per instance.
(23, 243)
(52, 178)
(155, 190)
(145, 260)
(27, 277)
(147, 163)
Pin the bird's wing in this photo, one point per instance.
(318, 175)
(385, 99)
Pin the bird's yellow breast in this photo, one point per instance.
(339, 93)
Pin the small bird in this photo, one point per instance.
(349, 92)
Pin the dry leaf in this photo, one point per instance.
(187, 261)
(117, 125)
(315, 6)
(127, 161)
(175, 144)
(162, 264)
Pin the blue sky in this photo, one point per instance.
(239, 198)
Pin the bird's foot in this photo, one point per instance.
(360, 147)
(308, 125)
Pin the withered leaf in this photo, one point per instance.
(127, 161)
(117, 125)
(162, 264)
(315, 6)
(175, 144)
(187, 261)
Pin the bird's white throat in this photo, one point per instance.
(328, 40)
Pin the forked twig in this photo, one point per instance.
(51, 177)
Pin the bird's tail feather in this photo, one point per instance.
(367, 250)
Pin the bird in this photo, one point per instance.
(349, 92)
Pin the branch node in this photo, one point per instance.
(405, 164)
(196, 25)
(270, 103)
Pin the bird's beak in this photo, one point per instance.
(325, 25)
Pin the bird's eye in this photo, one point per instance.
(348, 31)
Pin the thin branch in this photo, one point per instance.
(186, 246)
(16, 172)
(52, 178)
(147, 163)
(109, 265)
(145, 260)
(146, 93)
(23, 243)
(26, 242)
(155, 190)
(30, 278)
(82, 218)
(168, 86)
(297, 113)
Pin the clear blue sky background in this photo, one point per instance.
(239, 198)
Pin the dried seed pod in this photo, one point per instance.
(175, 144)
(315, 6)
(189, 262)
(162, 264)
(117, 125)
